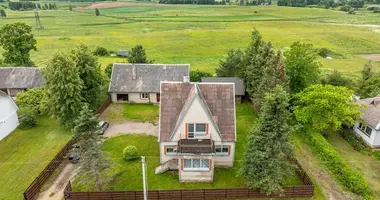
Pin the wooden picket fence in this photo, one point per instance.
(305, 190)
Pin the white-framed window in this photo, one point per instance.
(144, 95)
(365, 129)
(196, 164)
(222, 149)
(196, 129)
(171, 150)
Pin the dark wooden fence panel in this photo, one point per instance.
(104, 106)
(38, 182)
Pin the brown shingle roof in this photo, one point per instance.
(219, 98)
(370, 114)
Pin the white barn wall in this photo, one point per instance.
(8, 116)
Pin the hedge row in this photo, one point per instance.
(335, 163)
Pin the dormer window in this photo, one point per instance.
(196, 130)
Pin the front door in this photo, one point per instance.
(158, 98)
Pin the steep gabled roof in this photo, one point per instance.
(371, 113)
(20, 77)
(239, 83)
(217, 98)
(145, 77)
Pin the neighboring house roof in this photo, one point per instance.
(145, 77)
(123, 53)
(239, 83)
(20, 77)
(218, 99)
(371, 113)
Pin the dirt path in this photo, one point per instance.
(120, 4)
(327, 184)
(131, 127)
(55, 191)
(373, 57)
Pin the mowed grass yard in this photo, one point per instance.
(365, 164)
(201, 35)
(132, 112)
(128, 173)
(25, 153)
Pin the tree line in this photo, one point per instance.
(322, 3)
(202, 2)
(26, 5)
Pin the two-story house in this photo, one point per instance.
(197, 129)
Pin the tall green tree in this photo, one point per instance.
(17, 41)
(138, 55)
(97, 12)
(263, 68)
(3, 13)
(369, 83)
(93, 161)
(302, 67)
(90, 73)
(64, 88)
(326, 107)
(265, 164)
(231, 67)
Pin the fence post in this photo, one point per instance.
(204, 193)
(293, 192)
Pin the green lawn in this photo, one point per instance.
(134, 112)
(25, 153)
(364, 163)
(129, 173)
(201, 34)
(141, 112)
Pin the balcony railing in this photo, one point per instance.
(196, 146)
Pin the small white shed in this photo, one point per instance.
(8, 115)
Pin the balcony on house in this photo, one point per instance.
(196, 146)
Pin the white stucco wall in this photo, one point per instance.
(373, 140)
(195, 176)
(8, 116)
(164, 158)
(225, 160)
(196, 114)
(135, 98)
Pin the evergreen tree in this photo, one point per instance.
(370, 82)
(64, 87)
(138, 55)
(17, 40)
(46, 6)
(70, 8)
(302, 67)
(93, 161)
(263, 68)
(231, 67)
(50, 6)
(97, 12)
(38, 5)
(54, 6)
(265, 164)
(90, 73)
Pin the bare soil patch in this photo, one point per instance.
(119, 4)
(373, 57)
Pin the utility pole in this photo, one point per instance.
(38, 22)
(144, 177)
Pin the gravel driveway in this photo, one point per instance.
(129, 127)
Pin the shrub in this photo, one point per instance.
(28, 121)
(196, 76)
(345, 8)
(337, 79)
(335, 163)
(376, 10)
(108, 70)
(100, 51)
(130, 153)
(376, 154)
(351, 12)
(356, 142)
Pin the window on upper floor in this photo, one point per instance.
(196, 129)
(222, 149)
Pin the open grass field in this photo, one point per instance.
(25, 153)
(201, 35)
(129, 172)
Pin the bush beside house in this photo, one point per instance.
(130, 153)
